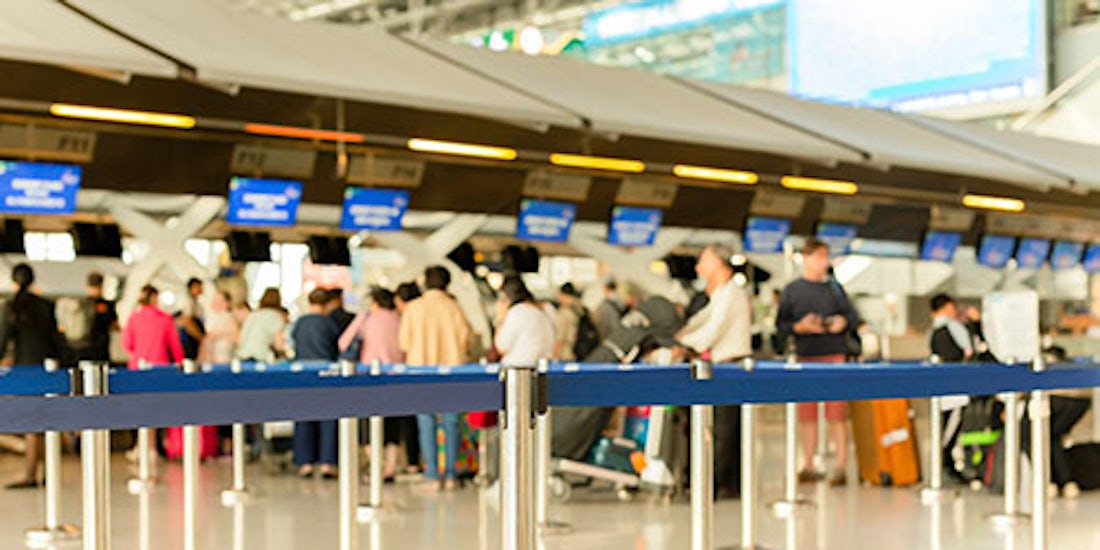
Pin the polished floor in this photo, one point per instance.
(290, 513)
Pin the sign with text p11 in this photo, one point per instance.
(633, 226)
(38, 188)
(373, 209)
(545, 220)
(255, 201)
(766, 235)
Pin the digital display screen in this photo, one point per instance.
(1032, 253)
(940, 246)
(373, 209)
(38, 188)
(545, 220)
(633, 226)
(995, 250)
(838, 236)
(766, 235)
(1091, 262)
(268, 202)
(1066, 254)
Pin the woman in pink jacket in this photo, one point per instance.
(150, 334)
(376, 332)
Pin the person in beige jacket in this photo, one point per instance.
(434, 332)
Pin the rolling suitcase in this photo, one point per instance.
(208, 442)
(886, 444)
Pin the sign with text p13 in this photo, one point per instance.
(632, 226)
(545, 220)
(38, 188)
(255, 201)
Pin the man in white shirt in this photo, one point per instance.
(722, 331)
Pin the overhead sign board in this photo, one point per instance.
(254, 201)
(632, 226)
(545, 220)
(273, 161)
(946, 218)
(777, 204)
(45, 143)
(846, 211)
(646, 192)
(543, 184)
(385, 171)
(38, 188)
(373, 209)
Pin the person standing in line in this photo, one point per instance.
(435, 332)
(567, 321)
(263, 335)
(610, 311)
(403, 296)
(525, 331)
(377, 331)
(222, 331)
(92, 340)
(29, 326)
(342, 316)
(191, 316)
(816, 311)
(722, 332)
(315, 335)
(150, 337)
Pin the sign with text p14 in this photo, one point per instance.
(766, 235)
(545, 220)
(373, 209)
(38, 188)
(632, 226)
(255, 201)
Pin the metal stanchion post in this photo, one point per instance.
(238, 492)
(373, 510)
(748, 471)
(821, 454)
(1011, 515)
(516, 471)
(1039, 415)
(702, 465)
(790, 503)
(95, 468)
(349, 473)
(190, 473)
(543, 431)
(935, 491)
(146, 478)
(53, 531)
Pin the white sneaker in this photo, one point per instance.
(1071, 490)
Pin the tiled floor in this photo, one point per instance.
(290, 513)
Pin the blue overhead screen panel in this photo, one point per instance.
(995, 250)
(545, 220)
(1032, 253)
(254, 201)
(37, 188)
(766, 235)
(838, 236)
(911, 55)
(373, 209)
(940, 246)
(1091, 262)
(1066, 254)
(633, 226)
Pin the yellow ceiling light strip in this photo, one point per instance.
(597, 163)
(815, 185)
(722, 175)
(1000, 204)
(125, 116)
(491, 152)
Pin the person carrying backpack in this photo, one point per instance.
(576, 334)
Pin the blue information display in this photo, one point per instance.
(766, 235)
(995, 250)
(1066, 254)
(545, 220)
(838, 236)
(254, 201)
(1092, 259)
(38, 188)
(940, 246)
(373, 209)
(1032, 253)
(633, 226)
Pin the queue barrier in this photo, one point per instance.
(36, 399)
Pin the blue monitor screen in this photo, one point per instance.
(1032, 253)
(545, 220)
(633, 226)
(373, 209)
(1066, 254)
(1092, 259)
(940, 246)
(766, 235)
(38, 188)
(911, 55)
(995, 250)
(255, 201)
(838, 236)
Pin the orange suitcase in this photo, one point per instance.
(886, 443)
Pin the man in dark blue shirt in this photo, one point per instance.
(315, 336)
(816, 311)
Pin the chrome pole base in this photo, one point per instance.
(1001, 520)
(930, 496)
(787, 508)
(138, 486)
(234, 497)
(42, 537)
(551, 528)
(369, 514)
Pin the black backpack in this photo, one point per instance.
(588, 338)
(943, 345)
